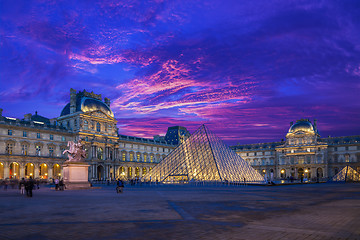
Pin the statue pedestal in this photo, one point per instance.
(76, 175)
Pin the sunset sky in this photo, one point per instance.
(244, 68)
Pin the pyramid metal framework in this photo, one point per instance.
(347, 174)
(203, 157)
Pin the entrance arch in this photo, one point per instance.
(137, 172)
(319, 173)
(14, 171)
(129, 172)
(100, 172)
(283, 173)
(43, 171)
(29, 170)
(56, 171)
(1, 170)
(300, 173)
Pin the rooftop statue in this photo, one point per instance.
(76, 152)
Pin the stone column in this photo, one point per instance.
(50, 171)
(22, 171)
(6, 169)
(36, 170)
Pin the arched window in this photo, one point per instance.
(98, 127)
(86, 125)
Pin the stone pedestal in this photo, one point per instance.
(76, 175)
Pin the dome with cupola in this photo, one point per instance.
(87, 102)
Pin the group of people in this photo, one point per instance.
(26, 186)
(59, 184)
(119, 186)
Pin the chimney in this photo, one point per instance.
(315, 124)
(27, 117)
(72, 100)
(107, 101)
(1, 110)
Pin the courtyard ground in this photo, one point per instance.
(309, 211)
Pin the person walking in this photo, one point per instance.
(22, 186)
(119, 186)
(56, 184)
(29, 185)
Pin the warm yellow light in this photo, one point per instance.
(306, 170)
(282, 171)
(264, 170)
(45, 174)
(59, 174)
(45, 164)
(31, 164)
(14, 174)
(30, 174)
(1, 164)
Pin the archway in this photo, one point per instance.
(283, 173)
(130, 172)
(14, 172)
(29, 170)
(56, 171)
(137, 172)
(319, 173)
(1, 170)
(122, 172)
(100, 172)
(43, 171)
(144, 171)
(300, 173)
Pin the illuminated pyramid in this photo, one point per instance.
(347, 174)
(203, 157)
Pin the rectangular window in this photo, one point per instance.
(51, 151)
(51, 137)
(38, 135)
(24, 134)
(124, 157)
(38, 150)
(151, 158)
(145, 157)
(131, 157)
(9, 148)
(138, 157)
(24, 149)
(10, 132)
(63, 138)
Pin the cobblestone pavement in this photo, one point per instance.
(311, 211)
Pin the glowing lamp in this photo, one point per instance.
(306, 170)
(282, 171)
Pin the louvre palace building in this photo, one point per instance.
(33, 146)
(303, 153)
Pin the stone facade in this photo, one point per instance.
(303, 154)
(34, 148)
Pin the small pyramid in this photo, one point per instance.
(347, 174)
(203, 157)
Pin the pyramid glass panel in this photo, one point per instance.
(347, 174)
(203, 157)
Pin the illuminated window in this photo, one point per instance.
(151, 158)
(9, 148)
(123, 156)
(145, 156)
(138, 157)
(144, 171)
(38, 150)
(24, 149)
(131, 157)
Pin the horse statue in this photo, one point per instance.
(75, 152)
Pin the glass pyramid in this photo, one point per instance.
(347, 174)
(203, 157)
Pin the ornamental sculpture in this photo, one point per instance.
(76, 152)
